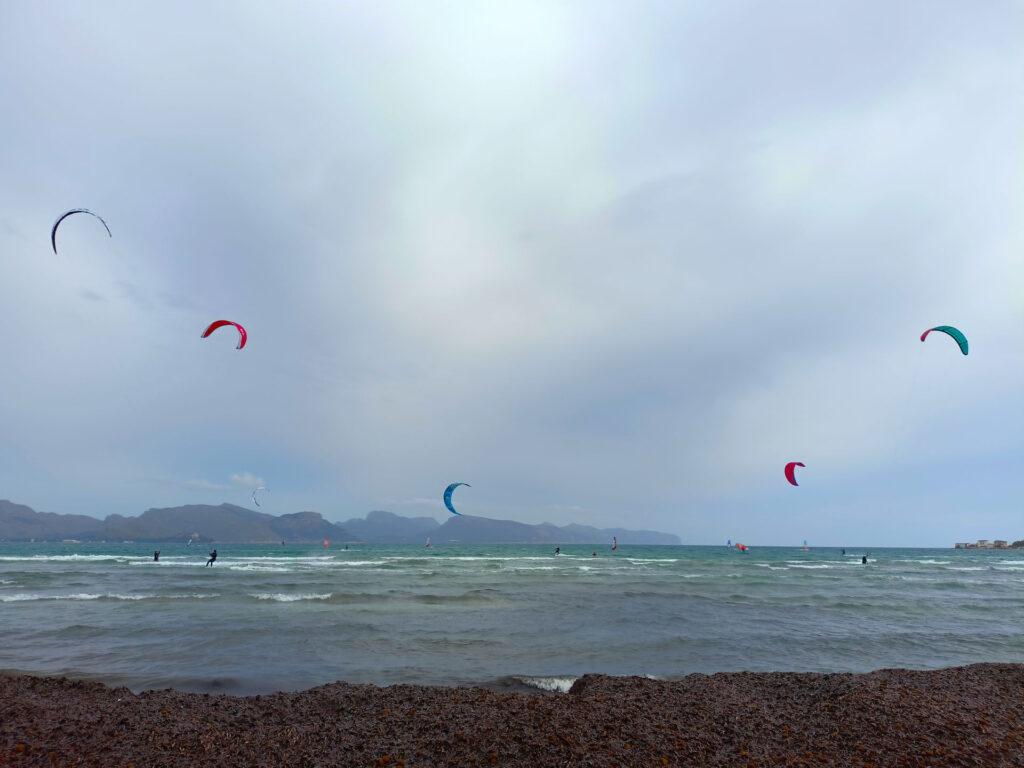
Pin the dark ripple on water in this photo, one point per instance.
(271, 617)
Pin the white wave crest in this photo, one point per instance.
(61, 558)
(280, 597)
(535, 568)
(554, 684)
(259, 568)
(27, 597)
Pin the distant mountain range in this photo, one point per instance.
(229, 523)
(386, 528)
(380, 527)
(201, 522)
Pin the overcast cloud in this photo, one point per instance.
(611, 263)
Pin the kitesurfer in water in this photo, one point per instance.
(558, 550)
(213, 557)
(844, 551)
(864, 560)
(156, 555)
(593, 554)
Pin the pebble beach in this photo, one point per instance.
(965, 716)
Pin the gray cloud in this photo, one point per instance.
(205, 485)
(609, 264)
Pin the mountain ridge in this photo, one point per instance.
(231, 523)
(200, 522)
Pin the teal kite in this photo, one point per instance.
(448, 496)
(954, 333)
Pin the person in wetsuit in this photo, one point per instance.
(213, 557)
(156, 555)
(558, 550)
(864, 560)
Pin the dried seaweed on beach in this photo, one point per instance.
(966, 716)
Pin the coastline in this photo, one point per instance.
(948, 717)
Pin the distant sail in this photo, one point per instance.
(428, 542)
(255, 500)
(448, 496)
(615, 543)
(790, 471)
(954, 333)
(53, 231)
(243, 336)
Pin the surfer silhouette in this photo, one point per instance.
(213, 558)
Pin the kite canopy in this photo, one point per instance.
(254, 492)
(53, 230)
(242, 335)
(448, 496)
(791, 471)
(954, 333)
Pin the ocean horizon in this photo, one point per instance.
(270, 617)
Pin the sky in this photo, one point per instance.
(609, 263)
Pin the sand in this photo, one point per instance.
(964, 716)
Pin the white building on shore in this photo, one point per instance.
(983, 544)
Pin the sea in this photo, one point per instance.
(267, 618)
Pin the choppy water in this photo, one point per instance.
(269, 618)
